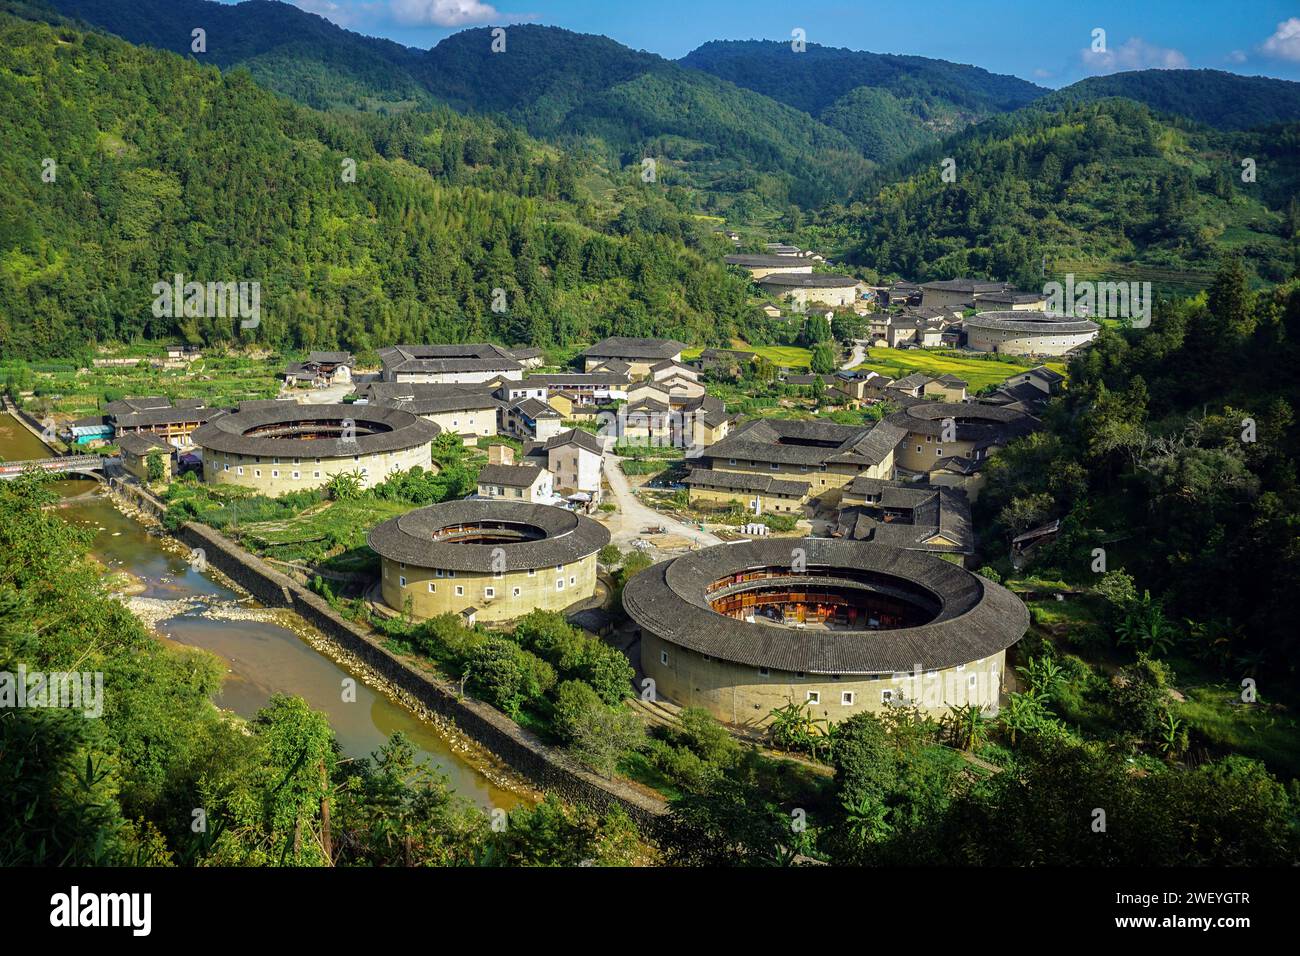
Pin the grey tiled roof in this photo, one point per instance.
(625, 347)
(987, 424)
(566, 536)
(745, 481)
(973, 617)
(376, 430)
(575, 436)
(807, 443)
(511, 476)
(434, 359)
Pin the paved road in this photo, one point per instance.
(857, 358)
(632, 517)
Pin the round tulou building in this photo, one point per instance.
(282, 447)
(843, 626)
(1027, 333)
(487, 560)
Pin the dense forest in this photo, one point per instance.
(162, 166)
(1105, 182)
(1184, 475)
(1226, 101)
(886, 105)
(587, 93)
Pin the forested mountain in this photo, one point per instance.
(566, 86)
(1225, 101)
(162, 166)
(886, 104)
(1105, 182)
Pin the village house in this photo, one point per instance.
(758, 494)
(471, 411)
(901, 293)
(527, 356)
(909, 386)
(449, 364)
(908, 515)
(762, 266)
(531, 419)
(1026, 391)
(156, 415)
(591, 388)
(137, 449)
(821, 455)
(946, 388)
(938, 430)
(861, 387)
(639, 354)
(959, 293)
(321, 369)
(501, 477)
(575, 459)
(1011, 300)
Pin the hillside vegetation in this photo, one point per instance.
(165, 167)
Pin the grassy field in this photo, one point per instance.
(787, 356)
(977, 373)
(68, 392)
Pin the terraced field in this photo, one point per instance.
(977, 373)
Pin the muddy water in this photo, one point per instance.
(264, 650)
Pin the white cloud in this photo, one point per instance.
(444, 13)
(1236, 56)
(1285, 41)
(1134, 54)
(326, 8)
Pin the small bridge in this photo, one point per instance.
(91, 466)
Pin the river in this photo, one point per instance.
(264, 650)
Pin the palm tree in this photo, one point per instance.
(1024, 712)
(967, 725)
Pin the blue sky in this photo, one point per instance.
(1046, 41)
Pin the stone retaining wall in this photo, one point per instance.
(522, 751)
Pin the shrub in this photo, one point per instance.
(574, 699)
(507, 676)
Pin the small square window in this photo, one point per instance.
(275, 473)
(514, 592)
(257, 472)
(663, 657)
(886, 696)
(846, 698)
(814, 697)
(532, 572)
(402, 580)
(432, 587)
(460, 590)
(764, 672)
(489, 592)
(559, 584)
(297, 474)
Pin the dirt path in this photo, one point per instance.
(632, 518)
